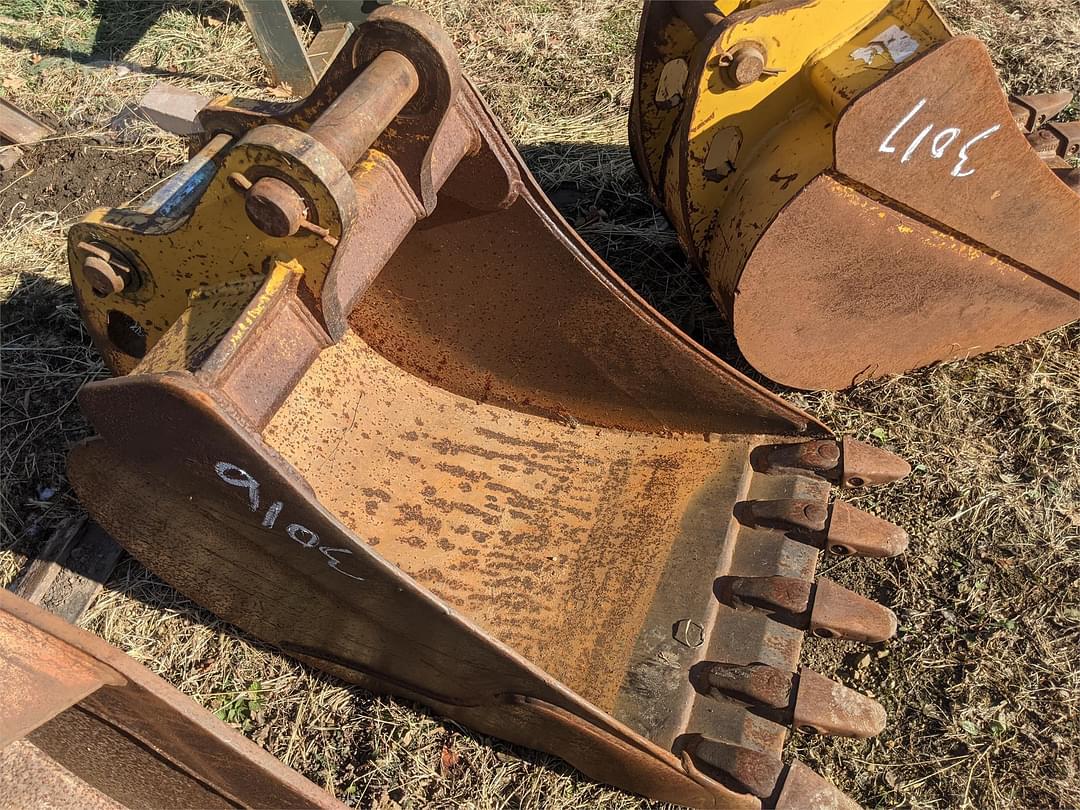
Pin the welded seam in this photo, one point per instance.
(959, 236)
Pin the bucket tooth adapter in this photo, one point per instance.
(378, 405)
(82, 725)
(854, 184)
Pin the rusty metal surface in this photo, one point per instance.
(862, 464)
(1031, 112)
(787, 593)
(804, 789)
(823, 706)
(1001, 271)
(840, 613)
(109, 730)
(758, 683)
(483, 328)
(31, 778)
(853, 531)
(831, 279)
(415, 455)
(816, 456)
(756, 771)
(1066, 135)
(788, 513)
(357, 117)
(971, 173)
(904, 219)
(806, 700)
(40, 678)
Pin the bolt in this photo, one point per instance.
(689, 633)
(815, 512)
(103, 279)
(107, 272)
(829, 452)
(274, 207)
(747, 65)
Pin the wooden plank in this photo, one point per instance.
(18, 127)
(71, 570)
(272, 27)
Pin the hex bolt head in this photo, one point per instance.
(104, 279)
(689, 633)
(275, 207)
(747, 65)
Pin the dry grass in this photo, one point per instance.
(983, 683)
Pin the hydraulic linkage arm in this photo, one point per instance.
(376, 403)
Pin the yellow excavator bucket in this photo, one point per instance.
(377, 404)
(853, 182)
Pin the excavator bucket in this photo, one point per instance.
(376, 403)
(82, 725)
(859, 192)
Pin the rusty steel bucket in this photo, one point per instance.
(82, 725)
(854, 184)
(376, 403)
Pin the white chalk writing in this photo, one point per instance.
(237, 477)
(939, 144)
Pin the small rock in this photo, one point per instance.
(882, 653)
(863, 662)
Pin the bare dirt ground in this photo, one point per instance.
(982, 684)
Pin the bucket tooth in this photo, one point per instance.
(862, 464)
(784, 787)
(786, 593)
(1060, 139)
(758, 683)
(756, 771)
(819, 456)
(804, 789)
(1069, 175)
(840, 613)
(828, 610)
(1031, 112)
(823, 706)
(1067, 134)
(807, 701)
(852, 531)
(791, 513)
